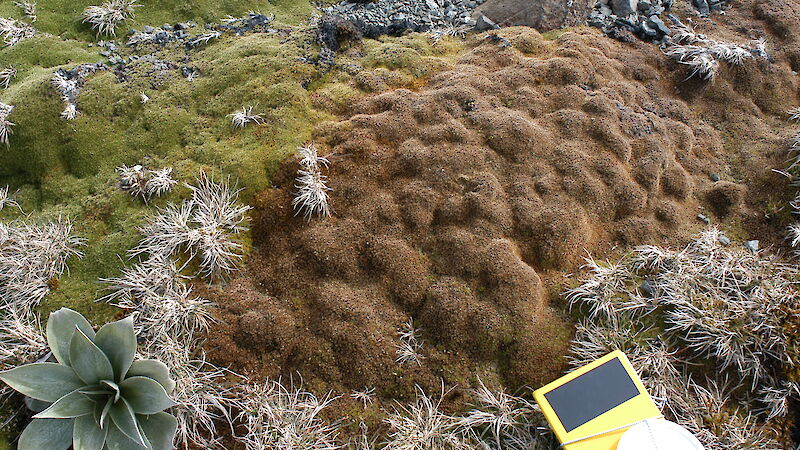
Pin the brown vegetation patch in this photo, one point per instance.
(453, 204)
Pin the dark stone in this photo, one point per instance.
(628, 25)
(702, 6)
(624, 7)
(648, 289)
(656, 23)
(715, 177)
(333, 31)
(647, 32)
(484, 23)
(543, 15)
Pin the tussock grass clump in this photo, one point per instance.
(205, 400)
(241, 118)
(22, 339)
(5, 124)
(499, 420)
(31, 256)
(29, 9)
(162, 301)
(140, 181)
(365, 396)
(203, 227)
(703, 54)
(168, 318)
(7, 200)
(280, 417)
(707, 312)
(13, 31)
(6, 75)
(204, 39)
(105, 18)
(793, 232)
(422, 425)
(410, 347)
(794, 114)
(312, 185)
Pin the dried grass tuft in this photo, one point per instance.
(720, 307)
(105, 18)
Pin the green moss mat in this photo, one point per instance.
(63, 17)
(67, 168)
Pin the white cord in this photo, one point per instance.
(564, 444)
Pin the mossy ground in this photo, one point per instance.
(67, 168)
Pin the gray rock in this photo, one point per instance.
(484, 23)
(648, 289)
(752, 245)
(724, 240)
(542, 15)
(656, 23)
(702, 7)
(704, 219)
(648, 31)
(624, 7)
(715, 177)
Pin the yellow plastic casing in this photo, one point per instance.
(634, 410)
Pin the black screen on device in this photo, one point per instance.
(592, 394)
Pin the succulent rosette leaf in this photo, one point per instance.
(96, 396)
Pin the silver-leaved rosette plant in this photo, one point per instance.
(95, 396)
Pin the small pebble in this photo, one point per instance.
(704, 219)
(715, 177)
(648, 289)
(724, 240)
(751, 245)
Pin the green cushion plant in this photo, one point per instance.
(95, 396)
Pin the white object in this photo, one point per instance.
(658, 434)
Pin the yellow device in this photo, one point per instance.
(591, 407)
